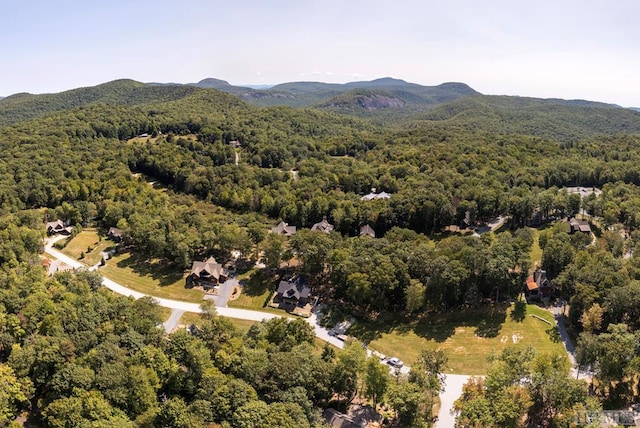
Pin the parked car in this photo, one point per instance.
(394, 362)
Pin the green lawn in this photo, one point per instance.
(192, 318)
(468, 338)
(149, 277)
(255, 292)
(166, 313)
(81, 243)
(536, 251)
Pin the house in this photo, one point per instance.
(538, 285)
(466, 221)
(323, 226)
(574, 225)
(283, 229)
(208, 274)
(235, 144)
(293, 293)
(339, 420)
(367, 230)
(115, 234)
(373, 195)
(58, 226)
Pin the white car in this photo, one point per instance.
(394, 362)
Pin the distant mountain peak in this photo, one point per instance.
(210, 82)
(389, 81)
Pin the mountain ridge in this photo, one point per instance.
(383, 101)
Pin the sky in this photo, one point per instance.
(568, 49)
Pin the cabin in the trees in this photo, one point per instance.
(58, 226)
(373, 195)
(574, 225)
(367, 230)
(283, 229)
(538, 285)
(115, 234)
(293, 293)
(208, 274)
(339, 420)
(323, 226)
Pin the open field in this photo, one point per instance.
(149, 277)
(81, 243)
(467, 338)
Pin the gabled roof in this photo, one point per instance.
(575, 225)
(538, 280)
(55, 225)
(284, 229)
(584, 228)
(58, 226)
(374, 195)
(367, 230)
(114, 231)
(208, 268)
(339, 420)
(292, 290)
(323, 226)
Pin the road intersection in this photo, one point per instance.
(453, 383)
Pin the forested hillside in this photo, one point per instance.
(20, 107)
(555, 119)
(229, 171)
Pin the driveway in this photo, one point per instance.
(453, 383)
(452, 390)
(224, 291)
(585, 374)
(171, 323)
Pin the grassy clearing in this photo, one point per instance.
(81, 243)
(149, 277)
(468, 338)
(255, 292)
(536, 251)
(166, 313)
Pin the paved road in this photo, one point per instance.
(171, 323)
(244, 314)
(453, 383)
(453, 388)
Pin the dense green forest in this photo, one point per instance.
(86, 156)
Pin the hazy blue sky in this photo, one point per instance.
(563, 48)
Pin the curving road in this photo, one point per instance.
(177, 305)
(453, 383)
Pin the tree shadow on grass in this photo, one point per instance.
(258, 284)
(439, 327)
(553, 334)
(519, 311)
(165, 273)
(490, 325)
